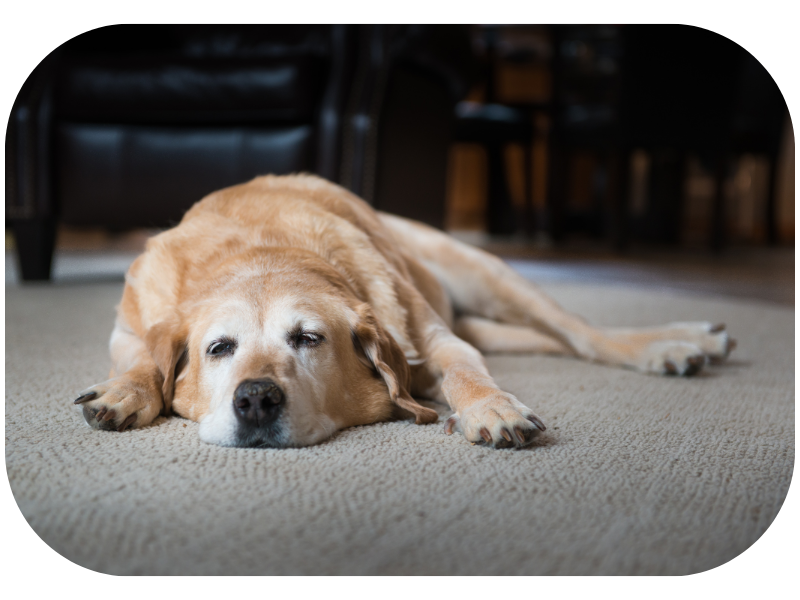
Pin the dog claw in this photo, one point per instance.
(505, 434)
(537, 421)
(486, 435)
(520, 435)
(449, 424)
(695, 363)
(100, 414)
(717, 328)
(85, 398)
(730, 345)
(127, 422)
(110, 414)
(670, 367)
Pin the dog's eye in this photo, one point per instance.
(305, 339)
(221, 348)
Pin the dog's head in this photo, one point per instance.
(279, 352)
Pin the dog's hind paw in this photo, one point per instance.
(717, 344)
(712, 339)
(673, 358)
(120, 403)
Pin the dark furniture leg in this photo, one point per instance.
(35, 240)
(619, 192)
(415, 131)
(771, 220)
(500, 215)
(718, 210)
(664, 213)
(556, 194)
(530, 209)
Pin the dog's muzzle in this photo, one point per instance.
(257, 404)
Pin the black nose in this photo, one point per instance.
(258, 401)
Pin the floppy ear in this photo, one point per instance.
(166, 343)
(381, 352)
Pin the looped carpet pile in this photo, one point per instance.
(635, 475)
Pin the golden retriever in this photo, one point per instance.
(284, 309)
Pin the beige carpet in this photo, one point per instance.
(636, 474)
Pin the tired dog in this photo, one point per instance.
(284, 309)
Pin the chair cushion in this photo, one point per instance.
(185, 90)
(134, 176)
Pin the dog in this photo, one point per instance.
(282, 310)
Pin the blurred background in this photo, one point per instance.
(660, 156)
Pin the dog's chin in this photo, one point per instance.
(222, 428)
(272, 436)
(221, 431)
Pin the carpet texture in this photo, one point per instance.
(635, 475)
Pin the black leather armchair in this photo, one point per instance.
(128, 126)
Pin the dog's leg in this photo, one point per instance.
(490, 336)
(453, 371)
(481, 284)
(132, 396)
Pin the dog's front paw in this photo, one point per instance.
(500, 421)
(120, 403)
